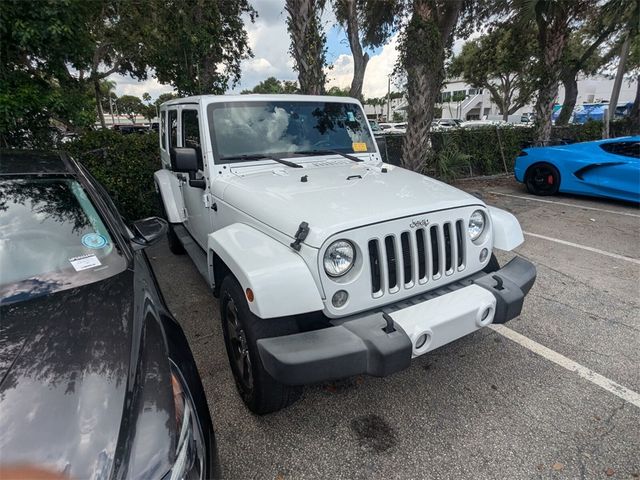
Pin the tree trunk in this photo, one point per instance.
(635, 110)
(427, 35)
(360, 59)
(552, 39)
(307, 44)
(570, 82)
(98, 94)
(617, 84)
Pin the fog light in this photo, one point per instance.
(483, 255)
(339, 298)
(421, 340)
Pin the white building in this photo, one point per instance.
(477, 103)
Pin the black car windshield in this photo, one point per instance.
(51, 238)
(245, 130)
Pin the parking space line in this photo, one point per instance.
(584, 247)
(603, 382)
(567, 204)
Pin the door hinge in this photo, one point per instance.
(207, 199)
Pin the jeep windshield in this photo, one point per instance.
(245, 131)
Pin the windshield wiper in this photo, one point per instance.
(258, 156)
(325, 152)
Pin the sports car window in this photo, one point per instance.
(246, 130)
(51, 238)
(626, 149)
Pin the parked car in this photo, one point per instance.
(327, 262)
(98, 380)
(447, 123)
(394, 128)
(128, 129)
(604, 168)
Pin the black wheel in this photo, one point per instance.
(492, 266)
(242, 329)
(542, 179)
(175, 245)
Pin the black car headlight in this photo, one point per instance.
(189, 454)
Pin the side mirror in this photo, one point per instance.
(184, 159)
(148, 231)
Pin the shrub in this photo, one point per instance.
(493, 149)
(124, 164)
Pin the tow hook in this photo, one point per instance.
(389, 328)
(301, 234)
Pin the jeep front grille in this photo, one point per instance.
(416, 257)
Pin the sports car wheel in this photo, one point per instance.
(241, 330)
(542, 179)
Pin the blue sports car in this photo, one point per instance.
(604, 168)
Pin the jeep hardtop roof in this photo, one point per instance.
(257, 97)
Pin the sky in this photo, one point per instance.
(269, 41)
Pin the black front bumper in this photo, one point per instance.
(362, 346)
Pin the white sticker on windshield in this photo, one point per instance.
(84, 261)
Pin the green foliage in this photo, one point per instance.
(130, 106)
(500, 61)
(274, 86)
(480, 150)
(448, 162)
(197, 45)
(338, 92)
(124, 165)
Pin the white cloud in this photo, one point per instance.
(126, 85)
(376, 75)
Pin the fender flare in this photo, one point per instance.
(169, 188)
(281, 282)
(507, 233)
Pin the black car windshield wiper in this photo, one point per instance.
(325, 152)
(259, 156)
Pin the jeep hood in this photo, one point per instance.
(335, 198)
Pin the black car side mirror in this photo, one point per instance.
(148, 231)
(185, 160)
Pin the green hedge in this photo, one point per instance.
(490, 148)
(124, 164)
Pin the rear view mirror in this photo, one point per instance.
(184, 159)
(148, 231)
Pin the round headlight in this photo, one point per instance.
(339, 258)
(476, 224)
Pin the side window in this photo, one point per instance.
(626, 149)
(173, 128)
(163, 130)
(191, 133)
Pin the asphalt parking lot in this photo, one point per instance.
(496, 404)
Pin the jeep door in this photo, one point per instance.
(184, 131)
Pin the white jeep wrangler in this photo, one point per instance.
(328, 263)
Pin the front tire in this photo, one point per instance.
(241, 329)
(542, 179)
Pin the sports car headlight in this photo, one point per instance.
(476, 225)
(189, 455)
(339, 258)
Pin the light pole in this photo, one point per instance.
(388, 96)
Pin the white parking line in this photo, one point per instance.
(584, 247)
(603, 382)
(567, 204)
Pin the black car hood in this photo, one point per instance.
(64, 368)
